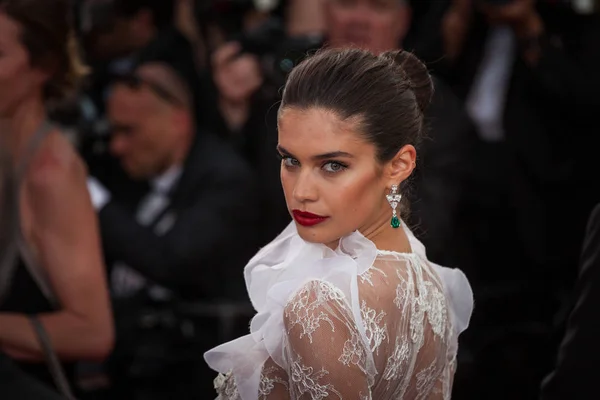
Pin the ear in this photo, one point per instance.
(399, 168)
(182, 120)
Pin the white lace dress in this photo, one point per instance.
(354, 323)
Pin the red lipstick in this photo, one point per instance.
(307, 219)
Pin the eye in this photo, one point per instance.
(333, 167)
(289, 162)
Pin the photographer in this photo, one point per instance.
(183, 241)
(249, 65)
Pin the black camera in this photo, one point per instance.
(277, 51)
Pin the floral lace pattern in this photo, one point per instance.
(402, 347)
(308, 381)
(269, 378)
(375, 327)
(305, 310)
(354, 352)
(367, 276)
(226, 387)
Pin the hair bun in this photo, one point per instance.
(416, 73)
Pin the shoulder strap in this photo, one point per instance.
(56, 369)
(8, 221)
(15, 240)
(37, 273)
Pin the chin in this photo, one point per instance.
(319, 235)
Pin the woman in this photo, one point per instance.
(348, 305)
(59, 275)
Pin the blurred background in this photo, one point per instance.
(505, 184)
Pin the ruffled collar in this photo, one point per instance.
(289, 257)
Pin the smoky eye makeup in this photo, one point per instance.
(333, 166)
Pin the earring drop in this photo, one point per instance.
(394, 199)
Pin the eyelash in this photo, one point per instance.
(341, 165)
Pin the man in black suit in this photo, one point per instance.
(207, 190)
(528, 73)
(576, 372)
(185, 240)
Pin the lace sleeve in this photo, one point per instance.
(325, 353)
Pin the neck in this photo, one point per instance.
(22, 125)
(385, 237)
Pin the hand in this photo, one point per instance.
(184, 19)
(455, 26)
(237, 77)
(520, 14)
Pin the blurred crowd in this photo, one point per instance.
(177, 124)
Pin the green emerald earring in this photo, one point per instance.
(394, 199)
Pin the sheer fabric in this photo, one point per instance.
(354, 323)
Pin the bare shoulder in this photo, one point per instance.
(57, 167)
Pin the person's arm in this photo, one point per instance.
(455, 27)
(191, 254)
(570, 79)
(574, 376)
(68, 246)
(325, 349)
(561, 72)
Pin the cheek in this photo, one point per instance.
(287, 183)
(15, 82)
(157, 140)
(356, 200)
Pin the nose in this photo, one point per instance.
(305, 189)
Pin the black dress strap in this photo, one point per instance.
(11, 237)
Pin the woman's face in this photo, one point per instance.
(18, 80)
(332, 180)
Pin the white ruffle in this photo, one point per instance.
(282, 268)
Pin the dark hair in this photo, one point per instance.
(162, 10)
(48, 35)
(387, 93)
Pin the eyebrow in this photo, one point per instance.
(333, 154)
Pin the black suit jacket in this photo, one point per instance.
(576, 372)
(548, 106)
(16, 385)
(215, 210)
